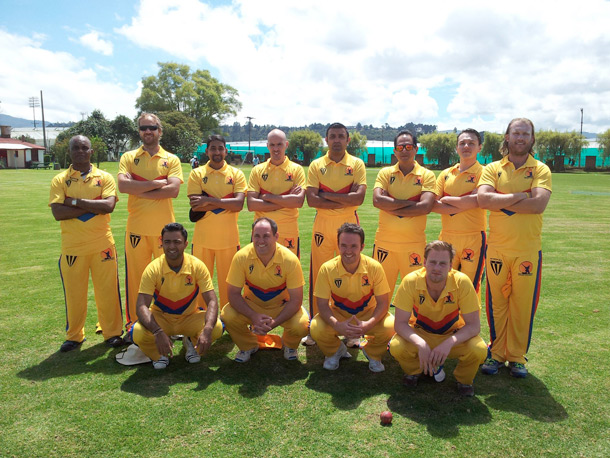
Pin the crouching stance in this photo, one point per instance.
(437, 317)
(272, 282)
(352, 295)
(172, 282)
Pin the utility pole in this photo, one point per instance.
(44, 130)
(33, 104)
(581, 116)
(250, 118)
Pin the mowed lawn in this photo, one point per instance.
(85, 404)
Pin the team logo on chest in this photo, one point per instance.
(97, 183)
(449, 299)
(499, 174)
(68, 182)
(205, 180)
(278, 271)
(106, 255)
(381, 255)
(250, 268)
(417, 181)
(525, 268)
(165, 164)
(392, 180)
(349, 171)
(134, 240)
(365, 280)
(338, 282)
(318, 239)
(529, 173)
(323, 170)
(264, 176)
(188, 281)
(136, 161)
(230, 180)
(289, 176)
(422, 299)
(496, 265)
(471, 179)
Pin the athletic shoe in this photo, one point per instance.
(491, 366)
(291, 354)
(465, 390)
(161, 363)
(307, 341)
(331, 363)
(352, 342)
(410, 380)
(439, 375)
(244, 356)
(70, 345)
(115, 342)
(374, 365)
(518, 370)
(191, 354)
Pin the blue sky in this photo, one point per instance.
(466, 64)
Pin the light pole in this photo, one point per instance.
(250, 118)
(44, 131)
(581, 116)
(33, 104)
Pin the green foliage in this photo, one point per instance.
(61, 151)
(181, 134)
(307, 142)
(491, 146)
(604, 144)
(28, 139)
(553, 147)
(123, 131)
(100, 150)
(197, 94)
(440, 147)
(357, 145)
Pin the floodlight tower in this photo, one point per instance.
(34, 103)
(249, 118)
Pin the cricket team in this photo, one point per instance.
(170, 293)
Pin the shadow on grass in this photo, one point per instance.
(528, 396)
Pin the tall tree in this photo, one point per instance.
(357, 145)
(96, 125)
(123, 131)
(307, 142)
(197, 94)
(491, 146)
(181, 134)
(440, 147)
(554, 147)
(603, 140)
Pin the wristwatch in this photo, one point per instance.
(73, 203)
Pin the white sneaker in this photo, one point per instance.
(331, 363)
(439, 375)
(374, 365)
(191, 354)
(161, 363)
(307, 341)
(244, 356)
(290, 354)
(353, 342)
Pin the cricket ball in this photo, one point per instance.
(386, 417)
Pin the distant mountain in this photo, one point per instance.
(6, 120)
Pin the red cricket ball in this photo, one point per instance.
(385, 417)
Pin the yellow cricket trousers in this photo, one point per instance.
(223, 260)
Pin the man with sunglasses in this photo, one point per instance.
(336, 186)
(463, 221)
(152, 177)
(404, 195)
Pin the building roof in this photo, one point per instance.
(13, 143)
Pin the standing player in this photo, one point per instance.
(152, 177)
(353, 298)
(82, 198)
(272, 281)
(463, 221)
(336, 186)
(404, 195)
(167, 306)
(276, 190)
(516, 191)
(219, 190)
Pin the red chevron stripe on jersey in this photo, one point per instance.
(351, 306)
(174, 307)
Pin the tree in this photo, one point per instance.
(28, 139)
(603, 140)
(96, 125)
(357, 145)
(100, 150)
(122, 131)
(60, 151)
(440, 147)
(307, 142)
(198, 95)
(554, 147)
(181, 134)
(491, 146)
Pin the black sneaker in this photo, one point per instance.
(465, 390)
(115, 342)
(70, 345)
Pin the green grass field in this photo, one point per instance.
(85, 404)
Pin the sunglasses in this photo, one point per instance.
(145, 128)
(408, 147)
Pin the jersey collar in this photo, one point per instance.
(530, 162)
(187, 266)
(161, 153)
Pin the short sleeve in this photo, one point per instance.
(57, 194)
(322, 289)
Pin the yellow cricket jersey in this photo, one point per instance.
(443, 316)
(149, 216)
(452, 182)
(351, 293)
(330, 176)
(509, 232)
(218, 228)
(176, 293)
(403, 229)
(267, 178)
(266, 286)
(89, 232)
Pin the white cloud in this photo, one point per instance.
(93, 41)
(69, 86)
